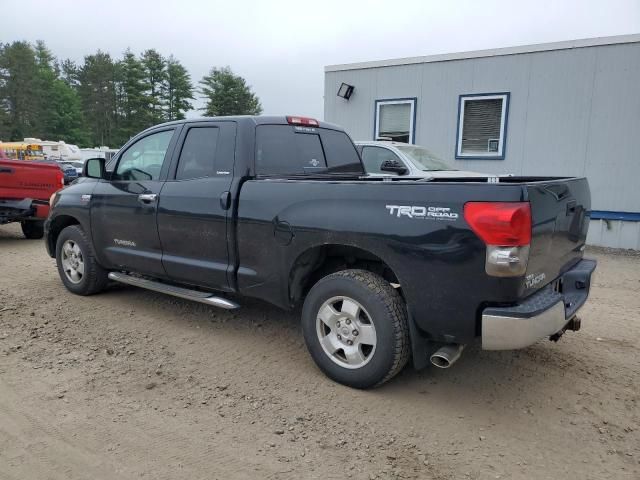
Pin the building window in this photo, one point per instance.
(395, 119)
(482, 126)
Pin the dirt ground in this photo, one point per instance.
(134, 384)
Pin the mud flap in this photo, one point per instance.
(420, 346)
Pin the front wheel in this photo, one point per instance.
(355, 327)
(77, 264)
(32, 229)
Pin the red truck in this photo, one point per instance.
(25, 189)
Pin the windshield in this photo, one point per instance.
(423, 158)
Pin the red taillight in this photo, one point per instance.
(61, 179)
(505, 224)
(306, 121)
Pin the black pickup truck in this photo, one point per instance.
(279, 208)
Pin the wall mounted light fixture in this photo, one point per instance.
(345, 90)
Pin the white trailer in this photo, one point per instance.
(59, 151)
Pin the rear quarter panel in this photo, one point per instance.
(439, 263)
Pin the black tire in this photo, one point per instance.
(94, 279)
(32, 229)
(387, 313)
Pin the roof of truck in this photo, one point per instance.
(255, 119)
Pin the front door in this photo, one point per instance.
(195, 203)
(124, 208)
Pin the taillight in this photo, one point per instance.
(505, 227)
(61, 178)
(306, 121)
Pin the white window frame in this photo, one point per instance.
(499, 155)
(394, 101)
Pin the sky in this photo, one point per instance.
(281, 47)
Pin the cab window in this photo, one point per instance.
(143, 160)
(198, 156)
(283, 150)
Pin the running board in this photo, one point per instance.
(186, 293)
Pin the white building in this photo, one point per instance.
(566, 108)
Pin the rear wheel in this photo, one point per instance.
(32, 229)
(77, 264)
(355, 327)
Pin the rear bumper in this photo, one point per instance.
(15, 210)
(541, 315)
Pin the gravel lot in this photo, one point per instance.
(131, 384)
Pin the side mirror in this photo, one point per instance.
(93, 168)
(393, 166)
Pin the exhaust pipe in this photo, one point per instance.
(447, 355)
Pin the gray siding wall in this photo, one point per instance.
(571, 112)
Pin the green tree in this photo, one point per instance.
(177, 90)
(44, 57)
(69, 72)
(18, 82)
(65, 122)
(135, 101)
(155, 76)
(45, 93)
(228, 94)
(97, 94)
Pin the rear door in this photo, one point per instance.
(195, 205)
(560, 220)
(123, 209)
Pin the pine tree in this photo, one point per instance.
(155, 76)
(18, 82)
(45, 93)
(177, 90)
(69, 72)
(136, 115)
(97, 93)
(65, 121)
(228, 94)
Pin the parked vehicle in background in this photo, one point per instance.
(22, 150)
(25, 189)
(70, 171)
(397, 158)
(79, 166)
(57, 150)
(98, 152)
(279, 208)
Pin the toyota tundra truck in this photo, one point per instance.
(25, 189)
(279, 208)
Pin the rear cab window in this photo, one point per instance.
(284, 150)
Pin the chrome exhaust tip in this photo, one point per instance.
(446, 356)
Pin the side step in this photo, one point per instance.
(195, 295)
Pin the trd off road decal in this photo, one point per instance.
(422, 212)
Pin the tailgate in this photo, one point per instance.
(560, 219)
(23, 179)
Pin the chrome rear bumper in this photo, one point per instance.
(541, 315)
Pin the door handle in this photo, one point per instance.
(6, 170)
(147, 197)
